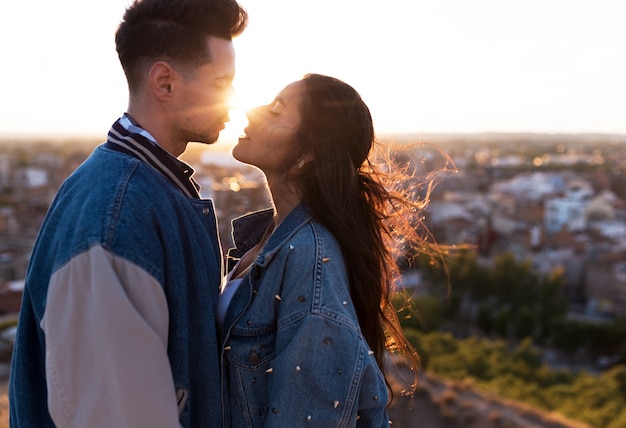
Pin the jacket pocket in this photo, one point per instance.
(248, 366)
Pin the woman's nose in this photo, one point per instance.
(253, 112)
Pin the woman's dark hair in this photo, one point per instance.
(175, 31)
(367, 209)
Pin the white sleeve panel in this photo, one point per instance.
(106, 329)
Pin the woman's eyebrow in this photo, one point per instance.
(280, 100)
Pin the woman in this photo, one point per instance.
(305, 312)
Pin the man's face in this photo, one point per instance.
(202, 104)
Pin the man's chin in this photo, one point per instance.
(206, 139)
(207, 142)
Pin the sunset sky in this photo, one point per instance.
(422, 66)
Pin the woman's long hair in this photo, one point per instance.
(373, 213)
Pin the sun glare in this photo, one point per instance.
(234, 128)
(238, 121)
(243, 100)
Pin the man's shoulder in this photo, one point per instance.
(111, 169)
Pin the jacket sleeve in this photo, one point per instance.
(106, 329)
(323, 376)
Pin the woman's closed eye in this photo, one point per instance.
(276, 107)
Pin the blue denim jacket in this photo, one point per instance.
(292, 351)
(134, 264)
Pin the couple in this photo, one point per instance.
(124, 322)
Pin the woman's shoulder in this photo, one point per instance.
(313, 269)
(313, 232)
(310, 245)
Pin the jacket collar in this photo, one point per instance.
(248, 231)
(294, 221)
(126, 136)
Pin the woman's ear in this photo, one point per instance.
(304, 160)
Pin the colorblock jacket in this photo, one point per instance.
(293, 352)
(117, 322)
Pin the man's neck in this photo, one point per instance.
(158, 126)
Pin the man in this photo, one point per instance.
(117, 322)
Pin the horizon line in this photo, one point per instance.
(56, 136)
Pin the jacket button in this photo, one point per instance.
(254, 358)
(206, 210)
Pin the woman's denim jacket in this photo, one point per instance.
(292, 350)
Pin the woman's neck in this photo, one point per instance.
(284, 199)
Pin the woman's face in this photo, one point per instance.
(271, 131)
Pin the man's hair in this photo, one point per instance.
(175, 31)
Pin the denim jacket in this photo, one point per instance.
(292, 350)
(116, 327)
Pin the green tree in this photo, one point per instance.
(485, 318)
(618, 374)
(568, 335)
(526, 322)
(516, 283)
(553, 304)
(502, 322)
(430, 312)
(467, 276)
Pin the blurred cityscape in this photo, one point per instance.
(556, 200)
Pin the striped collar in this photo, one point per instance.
(128, 137)
(133, 127)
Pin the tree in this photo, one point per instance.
(553, 304)
(526, 322)
(516, 283)
(485, 318)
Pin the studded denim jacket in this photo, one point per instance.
(292, 350)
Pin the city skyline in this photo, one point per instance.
(422, 66)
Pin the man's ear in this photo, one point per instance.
(162, 78)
